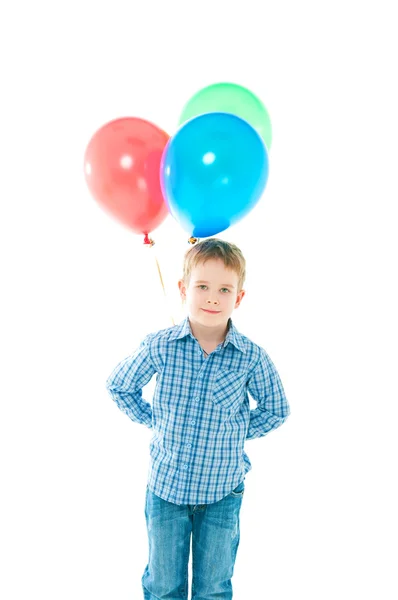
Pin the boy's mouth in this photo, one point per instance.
(212, 312)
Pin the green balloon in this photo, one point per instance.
(230, 98)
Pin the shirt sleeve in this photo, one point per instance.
(127, 380)
(265, 387)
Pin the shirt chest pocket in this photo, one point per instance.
(228, 390)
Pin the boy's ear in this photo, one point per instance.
(239, 298)
(182, 288)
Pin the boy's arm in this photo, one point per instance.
(127, 380)
(265, 386)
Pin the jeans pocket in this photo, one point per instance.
(239, 490)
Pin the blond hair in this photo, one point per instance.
(214, 248)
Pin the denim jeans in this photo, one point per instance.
(215, 540)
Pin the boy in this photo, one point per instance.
(200, 418)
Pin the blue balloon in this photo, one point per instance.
(213, 172)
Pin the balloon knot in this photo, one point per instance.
(193, 240)
(148, 241)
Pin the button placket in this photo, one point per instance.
(193, 422)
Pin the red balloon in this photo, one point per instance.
(122, 170)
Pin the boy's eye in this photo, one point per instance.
(204, 286)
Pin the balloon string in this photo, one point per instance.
(151, 243)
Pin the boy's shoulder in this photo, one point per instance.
(253, 349)
(161, 334)
(249, 344)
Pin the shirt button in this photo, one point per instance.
(189, 445)
(193, 422)
(197, 399)
(185, 466)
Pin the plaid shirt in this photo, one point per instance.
(200, 414)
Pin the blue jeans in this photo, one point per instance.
(215, 540)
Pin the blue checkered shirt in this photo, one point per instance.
(200, 414)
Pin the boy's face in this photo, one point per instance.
(212, 287)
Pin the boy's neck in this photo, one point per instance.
(209, 335)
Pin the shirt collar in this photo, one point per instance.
(184, 328)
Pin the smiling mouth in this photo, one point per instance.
(213, 312)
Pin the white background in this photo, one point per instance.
(79, 291)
